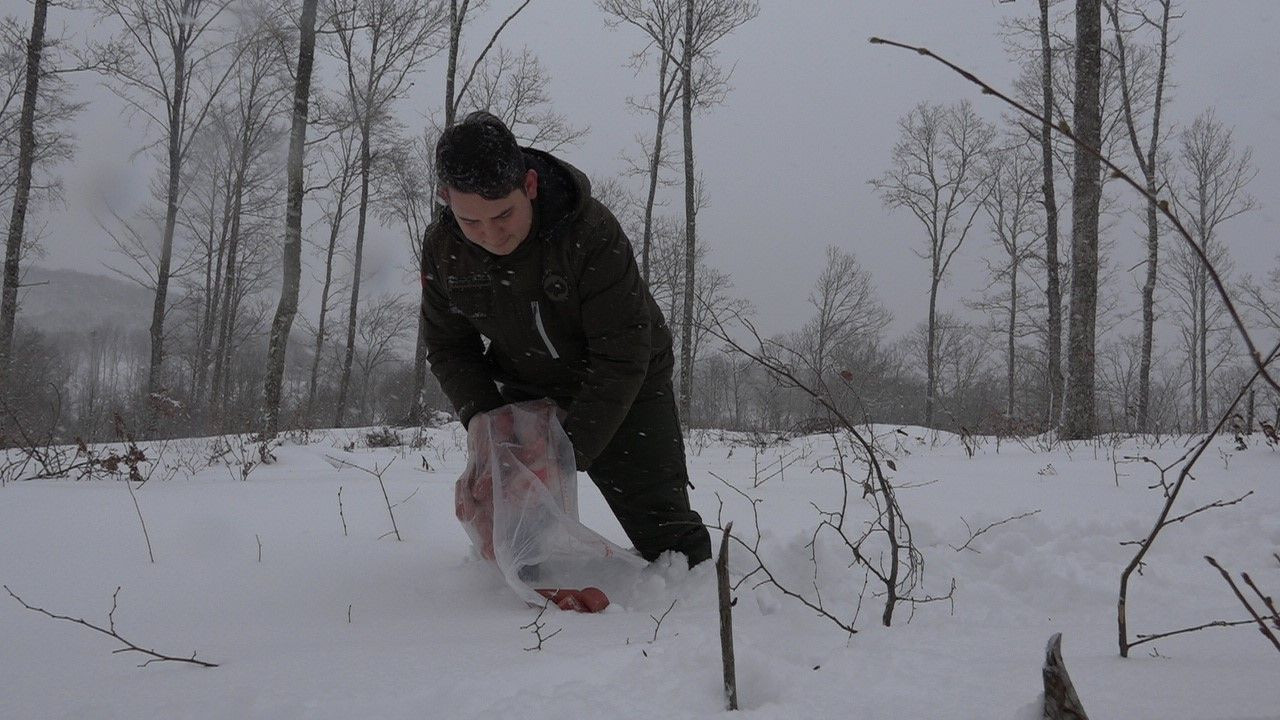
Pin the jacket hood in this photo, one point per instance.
(564, 191)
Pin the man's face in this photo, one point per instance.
(498, 226)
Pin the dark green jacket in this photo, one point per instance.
(565, 316)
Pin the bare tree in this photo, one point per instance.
(34, 112)
(713, 298)
(845, 311)
(1256, 357)
(712, 294)
(1147, 159)
(514, 87)
(1209, 191)
(1079, 420)
(1054, 90)
(340, 164)
(1053, 288)
(292, 270)
(174, 85)
(407, 193)
(704, 24)
(205, 215)
(1048, 85)
(936, 175)
(459, 16)
(960, 353)
(1010, 206)
(253, 134)
(383, 326)
(1119, 363)
(381, 44)
(22, 191)
(662, 22)
(667, 279)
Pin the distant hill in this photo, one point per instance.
(68, 300)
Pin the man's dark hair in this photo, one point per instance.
(480, 155)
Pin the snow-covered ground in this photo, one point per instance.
(306, 621)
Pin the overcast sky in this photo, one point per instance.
(786, 159)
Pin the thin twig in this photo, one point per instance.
(146, 536)
(1262, 624)
(536, 626)
(657, 622)
(111, 632)
(1209, 506)
(1266, 600)
(395, 530)
(1145, 638)
(974, 535)
(340, 513)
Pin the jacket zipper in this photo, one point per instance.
(542, 330)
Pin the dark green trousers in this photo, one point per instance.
(643, 477)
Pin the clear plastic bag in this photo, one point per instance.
(518, 500)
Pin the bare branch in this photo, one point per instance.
(1257, 618)
(110, 631)
(975, 535)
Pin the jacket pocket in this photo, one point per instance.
(542, 329)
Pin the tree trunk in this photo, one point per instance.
(324, 294)
(1148, 311)
(292, 260)
(1053, 290)
(22, 192)
(1203, 352)
(1013, 326)
(176, 117)
(931, 360)
(226, 323)
(1193, 360)
(1147, 163)
(419, 372)
(690, 212)
(204, 335)
(1080, 420)
(456, 19)
(344, 385)
(654, 163)
(209, 374)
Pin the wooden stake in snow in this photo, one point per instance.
(1060, 699)
(726, 620)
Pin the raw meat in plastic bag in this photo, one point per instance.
(518, 500)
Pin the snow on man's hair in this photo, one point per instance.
(480, 155)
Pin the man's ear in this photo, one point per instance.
(443, 194)
(531, 184)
